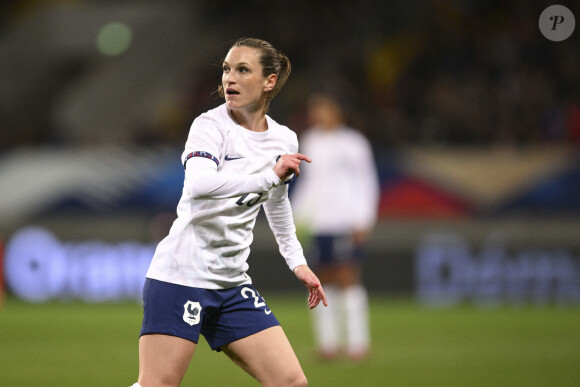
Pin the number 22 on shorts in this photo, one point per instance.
(247, 293)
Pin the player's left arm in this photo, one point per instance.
(279, 214)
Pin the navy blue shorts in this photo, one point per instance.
(221, 316)
(332, 249)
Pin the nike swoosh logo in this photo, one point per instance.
(228, 158)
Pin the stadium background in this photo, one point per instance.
(473, 115)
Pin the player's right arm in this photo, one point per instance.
(201, 158)
(203, 181)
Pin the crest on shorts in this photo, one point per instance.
(191, 312)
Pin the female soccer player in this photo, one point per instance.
(236, 159)
(339, 208)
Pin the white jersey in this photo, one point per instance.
(228, 178)
(339, 191)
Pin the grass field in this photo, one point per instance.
(74, 344)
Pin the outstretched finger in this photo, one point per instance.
(300, 156)
(322, 296)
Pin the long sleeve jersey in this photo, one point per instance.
(339, 191)
(228, 178)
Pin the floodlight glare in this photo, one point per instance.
(114, 38)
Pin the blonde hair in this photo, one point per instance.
(272, 60)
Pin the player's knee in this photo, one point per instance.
(162, 380)
(298, 380)
(294, 379)
(301, 381)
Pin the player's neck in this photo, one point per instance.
(331, 125)
(251, 120)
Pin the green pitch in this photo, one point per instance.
(74, 344)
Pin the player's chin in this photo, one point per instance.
(233, 99)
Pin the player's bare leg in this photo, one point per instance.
(268, 357)
(163, 360)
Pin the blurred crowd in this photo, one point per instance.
(438, 72)
(478, 74)
(449, 72)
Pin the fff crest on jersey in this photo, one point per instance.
(191, 312)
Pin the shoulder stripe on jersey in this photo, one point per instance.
(207, 155)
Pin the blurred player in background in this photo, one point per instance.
(236, 159)
(336, 203)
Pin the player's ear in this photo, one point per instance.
(270, 82)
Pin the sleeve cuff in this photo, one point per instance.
(271, 178)
(296, 259)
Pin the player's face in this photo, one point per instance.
(242, 79)
(324, 113)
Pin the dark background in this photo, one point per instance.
(474, 118)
